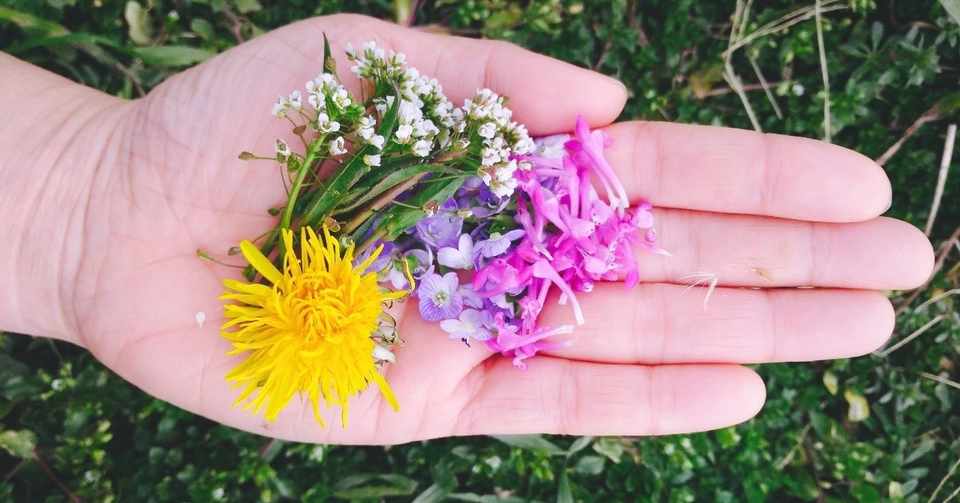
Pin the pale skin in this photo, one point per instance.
(105, 203)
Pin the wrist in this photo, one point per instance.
(52, 152)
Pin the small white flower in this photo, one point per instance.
(325, 125)
(409, 112)
(383, 354)
(327, 79)
(403, 133)
(367, 122)
(491, 156)
(366, 133)
(282, 149)
(487, 130)
(377, 141)
(342, 97)
(422, 148)
(296, 100)
(504, 188)
(201, 318)
(506, 171)
(382, 104)
(280, 107)
(337, 146)
(316, 101)
(372, 160)
(425, 127)
(524, 145)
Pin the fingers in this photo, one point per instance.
(738, 171)
(545, 94)
(578, 398)
(743, 250)
(657, 323)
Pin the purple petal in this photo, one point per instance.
(440, 230)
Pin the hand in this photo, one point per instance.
(760, 213)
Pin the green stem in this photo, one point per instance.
(382, 201)
(298, 183)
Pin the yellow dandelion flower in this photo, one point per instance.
(309, 331)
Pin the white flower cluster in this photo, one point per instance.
(426, 116)
(503, 139)
(287, 104)
(427, 122)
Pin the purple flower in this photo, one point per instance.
(497, 244)
(440, 230)
(420, 263)
(472, 324)
(387, 254)
(460, 257)
(439, 297)
(470, 296)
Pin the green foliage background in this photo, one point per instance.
(71, 429)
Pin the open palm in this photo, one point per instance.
(738, 207)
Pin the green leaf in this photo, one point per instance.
(396, 485)
(366, 192)
(202, 28)
(953, 8)
(830, 382)
(590, 465)
(531, 442)
(612, 448)
(398, 219)
(329, 63)
(351, 172)
(564, 492)
(247, 6)
(859, 408)
(865, 493)
(17, 381)
(172, 55)
(728, 437)
(578, 445)
(138, 21)
(273, 448)
(19, 443)
(433, 494)
(30, 22)
(486, 498)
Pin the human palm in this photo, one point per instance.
(735, 206)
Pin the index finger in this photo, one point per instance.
(737, 171)
(545, 94)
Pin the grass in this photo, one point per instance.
(873, 75)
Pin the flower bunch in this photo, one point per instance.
(556, 234)
(400, 193)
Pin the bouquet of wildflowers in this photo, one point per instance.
(399, 194)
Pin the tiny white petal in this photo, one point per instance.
(383, 354)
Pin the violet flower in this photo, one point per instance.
(439, 297)
(440, 230)
(471, 324)
(419, 261)
(497, 244)
(459, 257)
